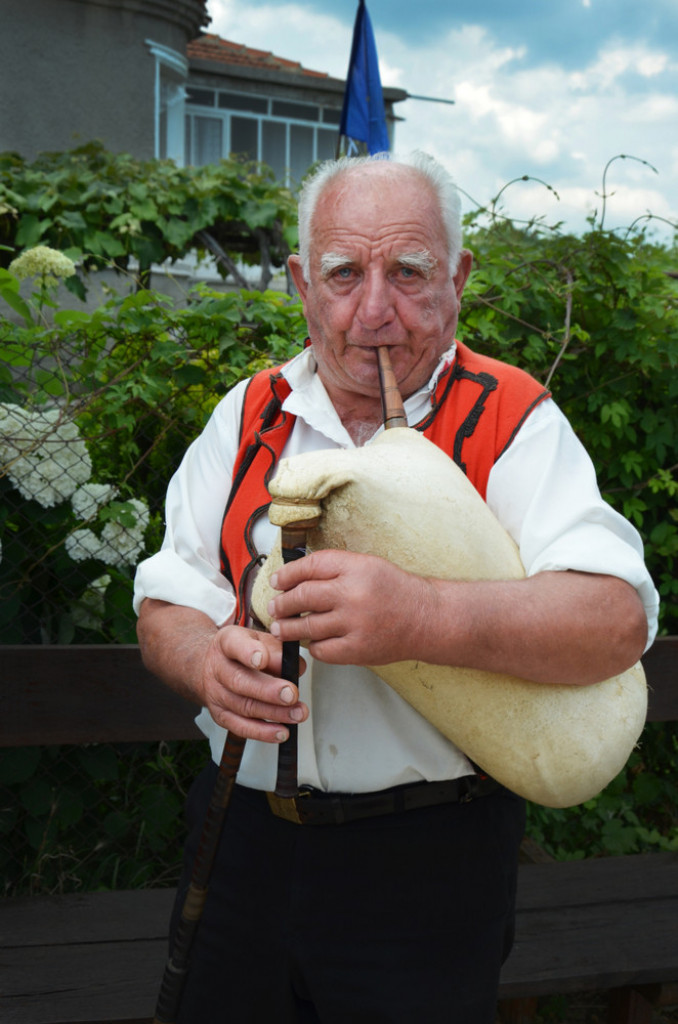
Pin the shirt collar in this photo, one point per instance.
(309, 399)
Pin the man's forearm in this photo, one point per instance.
(555, 627)
(232, 671)
(174, 641)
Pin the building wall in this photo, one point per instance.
(76, 70)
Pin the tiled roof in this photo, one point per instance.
(213, 48)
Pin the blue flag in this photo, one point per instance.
(363, 118)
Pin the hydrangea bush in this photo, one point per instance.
(45, 459)
(95, 410)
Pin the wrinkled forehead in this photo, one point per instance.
(378, 202)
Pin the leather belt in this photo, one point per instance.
(313, 807)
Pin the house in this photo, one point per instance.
(246, 101)
(144, 78)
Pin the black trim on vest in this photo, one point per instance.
(255, 559)
(268, 417)
(487, 382)
(531, 406)
(424, 424)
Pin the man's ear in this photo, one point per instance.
(462, 272)
(296, 270)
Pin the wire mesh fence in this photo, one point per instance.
(97, 407)
(96, 410)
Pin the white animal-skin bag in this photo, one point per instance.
(556, 745)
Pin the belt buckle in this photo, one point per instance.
(286, 807)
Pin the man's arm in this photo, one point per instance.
(554, 627)
(230, 670)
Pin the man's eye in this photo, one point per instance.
(344, 273)
(408, 272)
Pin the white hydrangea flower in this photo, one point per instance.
(88, 611)
(83, 544)
(89, 498)
(41, 261)
(42, 453)
(118, 545)
(126, 543)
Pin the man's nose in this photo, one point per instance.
(376, 308)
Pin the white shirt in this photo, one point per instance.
(360, 735)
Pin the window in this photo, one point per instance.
(209, 133)
(301, 150)
(274, 147)
(288, 136)
(244, 137)
(236, 101)
(171, 72)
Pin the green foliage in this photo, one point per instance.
(133, 381)
(596, 318)
(635, 813)
(103, 209)
(96, 817)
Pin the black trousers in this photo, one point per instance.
(381, 921)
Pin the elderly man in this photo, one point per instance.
(398, 905)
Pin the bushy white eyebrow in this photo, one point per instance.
(331, 261)
(422, 260)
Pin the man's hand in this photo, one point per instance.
(349, 609)
(242, 689)
(233, 671)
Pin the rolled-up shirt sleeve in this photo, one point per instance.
(186, 571)
(544, 491)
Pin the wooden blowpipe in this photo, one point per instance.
(391, 399)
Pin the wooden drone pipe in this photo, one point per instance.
(176, 969)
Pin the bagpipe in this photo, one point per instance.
(402, 498)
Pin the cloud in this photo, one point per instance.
(321, 42)
(615, 61)
(526, 101)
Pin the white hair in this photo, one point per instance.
(430, 170)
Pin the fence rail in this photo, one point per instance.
(103, 691)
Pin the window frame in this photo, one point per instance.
(321, 125)
(171, 71)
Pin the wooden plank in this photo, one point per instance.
(103, 693)
(68, 958)
(661, 668)
(86, 694)
(594, 924)
(142, 914)
(92, 957)
(93, 982)
(592, 948)
(600, 880)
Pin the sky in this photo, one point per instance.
(551, 89)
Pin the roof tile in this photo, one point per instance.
(212, 47)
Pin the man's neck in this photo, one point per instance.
(360, 415)
(361, 432)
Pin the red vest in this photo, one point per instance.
(478, 408)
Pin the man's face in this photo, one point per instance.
(379, 275)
